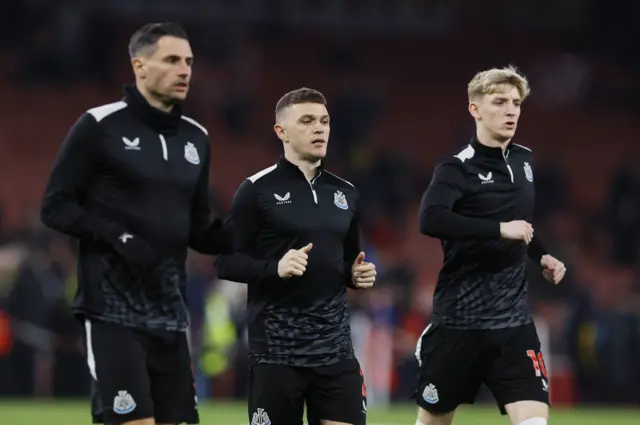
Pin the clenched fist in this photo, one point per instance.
(517, 230)
(363, 274)
(294, 262)
(553, 269)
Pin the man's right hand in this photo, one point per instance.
(517, 230)
(294, 262)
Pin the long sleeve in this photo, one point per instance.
(242, 223)
(69, 183)
(206, 236)
(436, 216)
(537, 249)
(352, 244)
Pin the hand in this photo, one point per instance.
(553, 270)
(294, 262)
(517, 230)
(133, 248)
(363, 274)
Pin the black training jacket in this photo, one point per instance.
(302, 321)
(482, 284)
(129, 167)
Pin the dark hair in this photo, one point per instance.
(302, 95)
(146, 37)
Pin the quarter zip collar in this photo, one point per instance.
(162, 122)
(488, 151)
(285, 164)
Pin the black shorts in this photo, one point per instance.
(278, 394)
(139, 374)
(454, 363)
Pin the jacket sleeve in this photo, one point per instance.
(69, 182)
(436, 217)
(537, 249)
(206, 235)
(242, 224)
(352, 243)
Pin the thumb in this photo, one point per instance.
(360, 258)
(307, 248)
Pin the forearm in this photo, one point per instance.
(445, 224)
(215, 240)
(241, 267)
(537, 249)
(70, 218)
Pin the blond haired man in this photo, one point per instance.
(480, 205)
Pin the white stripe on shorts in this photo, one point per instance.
(419, 344)
(91, 360)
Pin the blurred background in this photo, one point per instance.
(395, 74)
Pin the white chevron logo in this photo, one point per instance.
(486, 179)
(283, 199)
(131, 144)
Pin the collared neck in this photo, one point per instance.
(293, 168)
(160, 121)
(488, 151)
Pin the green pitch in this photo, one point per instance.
(233, 413)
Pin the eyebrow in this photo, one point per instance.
(313, 116)
(174, 56)
(507, 98)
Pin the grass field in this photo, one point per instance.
(224, 413)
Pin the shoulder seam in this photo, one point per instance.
(523, 147)
(195, 123)
(103, 111)
(262, 173)
(340, 178)
(466, 153)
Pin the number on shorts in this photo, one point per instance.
(538, 363)
(364, 388)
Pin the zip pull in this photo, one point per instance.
(313, 190)
(163, 142)
(506, 161)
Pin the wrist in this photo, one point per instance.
(271, 270)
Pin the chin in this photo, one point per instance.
(315, 156)
(503, 136)
(179, 97)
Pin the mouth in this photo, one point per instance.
(181, 86)
(318, 142)
(510, 124)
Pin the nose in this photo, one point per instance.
(185, 70)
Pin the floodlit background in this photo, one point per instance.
(395, 74)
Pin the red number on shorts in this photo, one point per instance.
(364, 388)
(538, 363)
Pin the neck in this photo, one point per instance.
(153, 101)
(487, 139)
(308, 168)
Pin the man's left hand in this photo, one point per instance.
(363, 274)
(553, 269)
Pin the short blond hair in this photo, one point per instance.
(498, 80)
